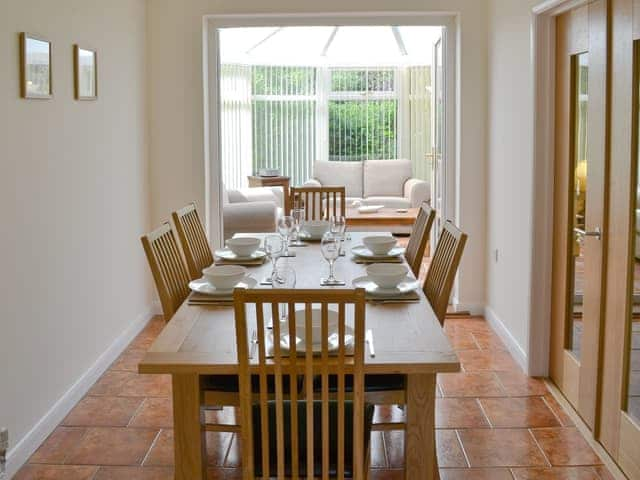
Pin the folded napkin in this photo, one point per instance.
(362, 260)
(246, 263)
(409, 297)
(196, 298)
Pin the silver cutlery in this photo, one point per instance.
(369, 339)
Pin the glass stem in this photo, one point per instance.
(331, 277)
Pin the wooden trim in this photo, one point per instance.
(595, 277)
(623, 178)
(629, 454)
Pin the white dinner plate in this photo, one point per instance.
(332, 340)
(227, 254)
(364, 252)
(203, 286)
(407, 285)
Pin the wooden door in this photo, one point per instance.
(619, 430)
(580, 172)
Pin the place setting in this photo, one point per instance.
(388, 283)
(218, 283)
(286, 343)
(241, 251)
(378, 249)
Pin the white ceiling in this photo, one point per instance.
(328, 45)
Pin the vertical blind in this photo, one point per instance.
(286, 117)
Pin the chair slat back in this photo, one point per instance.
(319, 203)
(168, 269)
(419, 238)
(443, 268)
(274, 363)
(193, 239)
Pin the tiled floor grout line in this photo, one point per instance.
(535, 440)
(153, 443)
(136, 412)
(228, 449)
(560, 422)
(385, 454)
(464, 452)
(484, 412)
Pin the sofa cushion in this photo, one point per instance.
(385, 177)
(348, 174)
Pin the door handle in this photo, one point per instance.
(597, 233)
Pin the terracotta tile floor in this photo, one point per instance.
(493, 423)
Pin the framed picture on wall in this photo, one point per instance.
(35, 67)
(85, 64)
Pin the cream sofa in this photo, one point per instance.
(374, 182)
(251, 210)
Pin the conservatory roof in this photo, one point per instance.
(329, 45)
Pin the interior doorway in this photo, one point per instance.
(313, 125)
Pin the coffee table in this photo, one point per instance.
(384, 219)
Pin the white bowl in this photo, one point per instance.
(379, 245)
(316, 228)
(243, 246)
(224, 277)
(387, 275)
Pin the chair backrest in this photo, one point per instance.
(167, 267)
(193, 239)
(293, 418)
(442, 270)
(319, 203)
(419, 237)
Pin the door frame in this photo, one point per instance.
(543, 60)
(211, 87)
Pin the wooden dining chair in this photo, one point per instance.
(443, 268)
(419, 238)
(319, 203)
(168, 269)
(302, 436)
(193, 240)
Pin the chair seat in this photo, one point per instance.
(230, 384)
(302, 437)
(372, 383)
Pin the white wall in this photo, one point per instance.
(510, 167)
(75, 199)
(176, 105)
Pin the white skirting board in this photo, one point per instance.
(516, 350)
(20, 453)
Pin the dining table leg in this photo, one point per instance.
(420, 436)
(188, 428)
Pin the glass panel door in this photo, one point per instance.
(579, 160)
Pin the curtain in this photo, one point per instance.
(236, 126)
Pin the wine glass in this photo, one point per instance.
(283, 276)
(338, 226)
(298, 219)
(273, 245)
(330, 247)
(285, 227)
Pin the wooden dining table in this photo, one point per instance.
(200, 340)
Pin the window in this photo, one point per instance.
(363, 108)
(287, 117)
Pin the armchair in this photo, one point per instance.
(250, 210)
